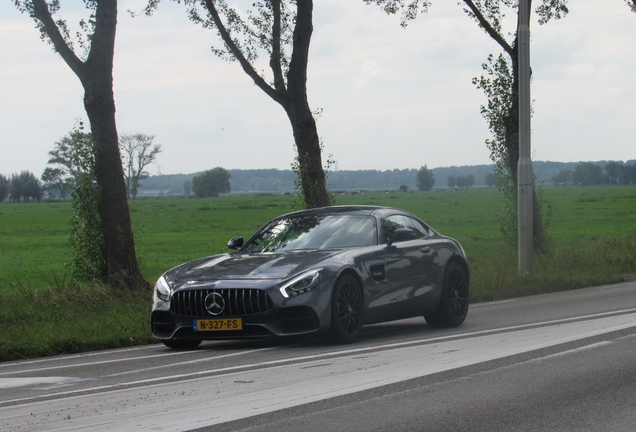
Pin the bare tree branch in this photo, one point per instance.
(275, 60)
(41, 12)
(240, 57)
(297, 76)
(488, 28)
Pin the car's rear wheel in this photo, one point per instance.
(182, 344)
(346, 310)
(453, 304)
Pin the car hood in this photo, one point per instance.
(277, 265)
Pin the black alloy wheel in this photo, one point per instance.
(346, 310)
(453, 304)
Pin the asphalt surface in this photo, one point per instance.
(557, 362)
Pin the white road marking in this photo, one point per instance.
(207, 359)
(6, 383)
(100, 362)
(234, 393)
(66, 357)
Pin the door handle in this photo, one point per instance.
(425, 249)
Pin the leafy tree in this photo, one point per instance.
(4, 187)
(632, 4)
(452, 181)
(25, 185)
(55, 182)
(85, 228)
(16, 189)
(630, 173)
(425, 179)
(404, 188)
(33, 186)
(617, 173)
(211, 183)
(138, 152)
(490, 180)
(466, 181)
(94, 68)
(409, 9)
(587, 174)
(563, 177)
(187, 187)
(62, 154)
(282, 29)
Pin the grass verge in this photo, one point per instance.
(70, 318)
(569, 265)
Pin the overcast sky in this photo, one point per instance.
(391, 97)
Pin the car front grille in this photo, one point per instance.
(237, 301)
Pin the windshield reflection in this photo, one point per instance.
(314, 232)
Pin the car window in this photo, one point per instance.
(393, 222)
(420, 229)
(314, 232)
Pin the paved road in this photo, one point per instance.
(561, 361)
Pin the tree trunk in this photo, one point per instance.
(302, 120)
(121, 262)
(122, 269)
(96, 76)
(312, 175)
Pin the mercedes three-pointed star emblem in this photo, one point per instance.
(214, 303)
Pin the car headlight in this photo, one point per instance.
(302, 283)
(163, 290)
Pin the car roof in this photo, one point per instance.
(358, 210)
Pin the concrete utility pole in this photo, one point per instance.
(525, 178)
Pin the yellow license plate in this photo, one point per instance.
(218, 324)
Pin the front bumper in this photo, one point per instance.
(289, 321)
(263, 310)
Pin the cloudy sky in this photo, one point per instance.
(391, 97)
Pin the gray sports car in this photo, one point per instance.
(327, 270)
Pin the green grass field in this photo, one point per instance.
(42, 311)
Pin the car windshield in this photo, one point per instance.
(314, 232)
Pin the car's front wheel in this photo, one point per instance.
(346, 310)
(182, 344)
(453, 304)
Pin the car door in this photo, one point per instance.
(411, 260)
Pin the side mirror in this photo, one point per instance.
(235, 243)
(401, 234)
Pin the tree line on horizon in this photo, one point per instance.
(26, 186)
(275, 180)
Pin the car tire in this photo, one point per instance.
(453, 304)
(182, 344)
(346, 310)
